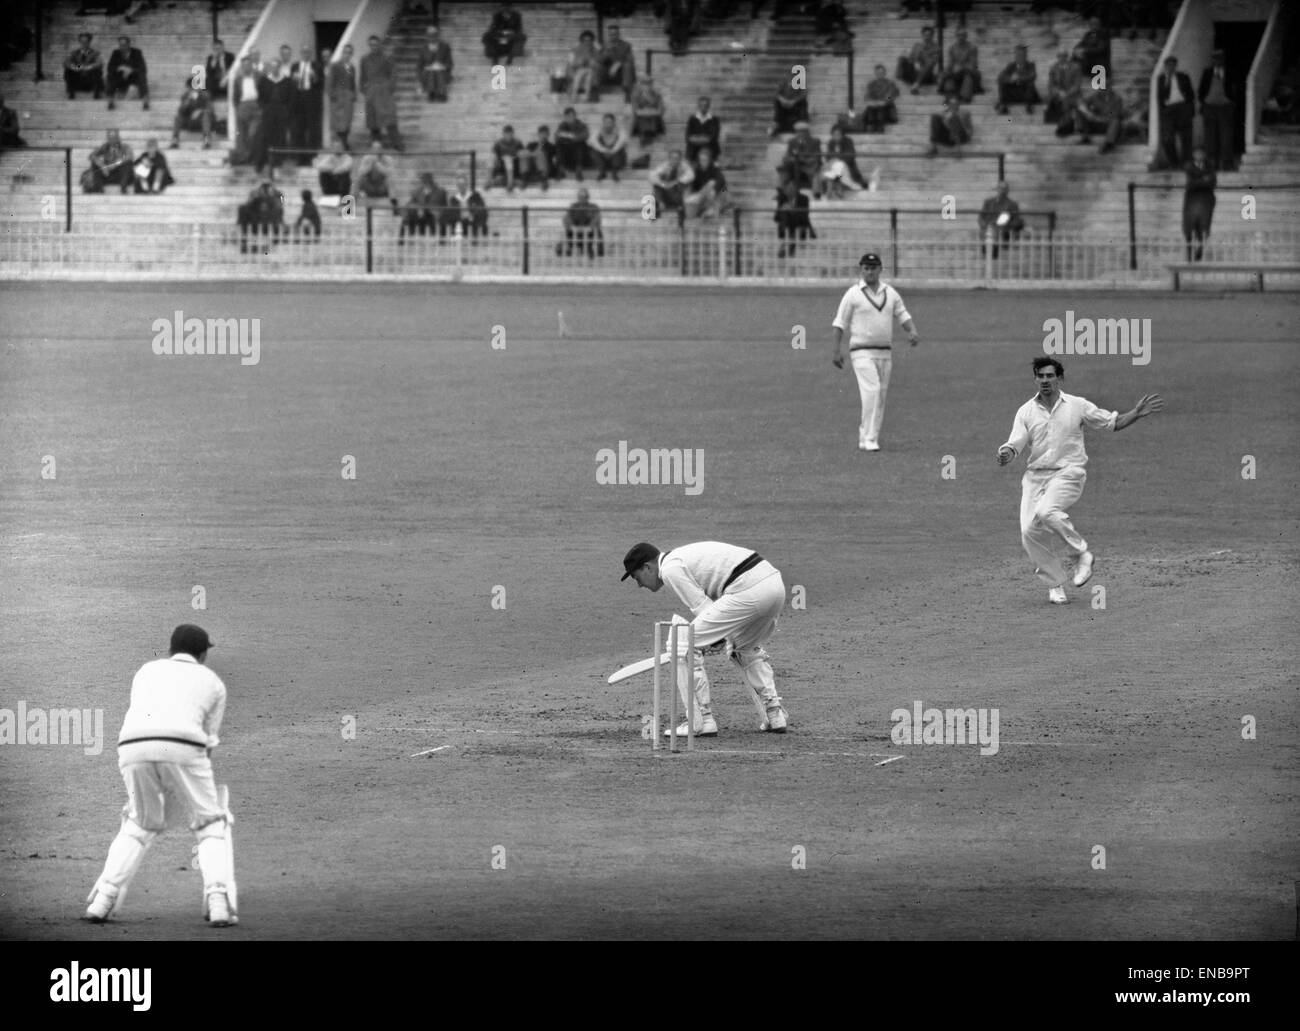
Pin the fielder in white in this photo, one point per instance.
(163, 752)
(736, 597)
(867, 312)
(1051, 424)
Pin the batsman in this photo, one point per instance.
(735, 597)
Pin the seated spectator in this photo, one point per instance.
(468, 210)
(335, 169)
(791, 216)
(1063, 83)
(582, 228)
(609, 148)
(831, 20)
(150, 169)
(962, 74)
(1094, 49)
(879, 109)
(707, 194)
(583, 69)
(505, 159)
(839, 173)
(950, 128)
(308, 223)
(127, 68)
(1000, 218)
(505, 36)
(1018, 83)
(261, 216)
(83, 71)
(374, 173)
(189, 113)
(918, 68)
(909, 7)
(426, 211)
(617, 63)
(537, 160)
(647, 112)
(571, 144)
(670, 181)
(803, 157)
(10, 127)
(790, 105)
(434, 65)
(703, 130)
(110, 165)
(1099, 111)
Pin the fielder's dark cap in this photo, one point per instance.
(871, 258)
(190, 639)
(638, 557)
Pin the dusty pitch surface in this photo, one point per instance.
(1119, 727)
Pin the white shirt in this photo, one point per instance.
(868, 318)
(175, 697)
(1175, 91)
(696, 572)
(246, 88)
(1055, 438)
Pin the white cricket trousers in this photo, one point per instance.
(872, 369)
(1045, 499)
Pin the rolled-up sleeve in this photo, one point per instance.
(1096, 418)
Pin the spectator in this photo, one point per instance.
(1063, 83)
(703, 130)
(378, 85)
(537, 161)
(425, 211)
(909, 7)
(10, 127)
(647, 112)
(189, 113)
(879, 109)
(84, 69)
(617, 62)
(374, 173)
(342, 89)
(276, 112)
(681, 20)
(468, 209)
(1176, 109)
(571, 144)
(308, 224)
(1198, 203)
(335, 170)
(609, 147)
(918, 68)
(840, 170)
(261, 216)
(1093, 50)
(308, 76)
(126, 68)
(803, 157)
(505, 159)
(505, 36)
(251, 93)
(110, 165)
(791, 216)
(669, 182)
(950, 128)
(582, 228)
(434, 65)
(150, 169)
(790, 105)
(831, 20)
(217, 69)
(1218, 99)
(583, 69)
(1000, 218)
(707, 194)
(1018, 83)
(1099, 111)
(962, 75)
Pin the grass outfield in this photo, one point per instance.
(372, 598)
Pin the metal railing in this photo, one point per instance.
(19, 176)
(1135, 238)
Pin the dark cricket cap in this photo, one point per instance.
(871, 258)
(190, 639)
(638, 557)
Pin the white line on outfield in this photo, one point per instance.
(428, 751)
(891, 759)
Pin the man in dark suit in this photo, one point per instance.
(250, 94)
(276, 112)
(703, 130)
(1174, 96)
(433, 66)
(305, 118)
(1017, 83)
(341, 82)
(84, 69)
(126, 68)
(1218, 99)
(211, 88)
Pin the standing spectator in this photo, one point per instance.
(617, 62)
(791, 216)
(468, 209)
(335, 170)
(707, 194)
(378, 86)
(537, 160)
(1219, 114)
(1000, 218)
(840, 170)
(918, 68)
(1198, 203)
(505, 159)
(110, 165)
(305, 120)
(609, 146)
(261, 216)
(703, 130)
(681, 19)
(1176, 110)
(582, 228)
(571, 144)
(10, 127)
(1063, 84)
(962, 75)
(150, 169)
(215, 87)
(1100, 110)
(583, 69)
(790, 105)
(879, 108)
(374, 173)
(342, 88)
(126, 68)
(647, 112)
(803, 157)
(308, 224)
(84, 69)
(950, 128)
(276, 113)
(424, 211)
(1093, 50)
(434, 65)
(669, 182)
(250, 94)
(1018, 83)
(505, 36)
